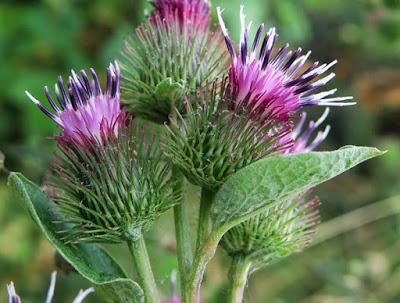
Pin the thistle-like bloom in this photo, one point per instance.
(14, 298)
(169, 56)
(113, 193)
(275, 84)
(82, 109)
(210, 141)
(193, 14)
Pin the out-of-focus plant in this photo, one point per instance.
(226, 127)
(14, 298)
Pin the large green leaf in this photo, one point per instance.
(278, 178)
(90, 260)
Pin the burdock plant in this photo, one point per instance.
(230, 122)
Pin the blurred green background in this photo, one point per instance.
(41, 39)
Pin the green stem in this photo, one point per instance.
(238, 275)
(207, 252)
(204, 216)
(143, 268)
(184, 248)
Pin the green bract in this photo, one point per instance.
(162, 62)
(111, 192)
(210, 142)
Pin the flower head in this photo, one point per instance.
(284, 229)
(14, 298)
(275, 84)
(210, 141)
(82, 109)
(193, 14)
(169, 56)
(113, 193)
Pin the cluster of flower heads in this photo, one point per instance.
(222, 118)
(14, 298)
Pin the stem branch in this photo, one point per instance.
(204, 216)
(184, 248)
(143, 268)
(238, 275)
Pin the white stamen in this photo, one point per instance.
(296, 132)
(298, 63)
(82, 295)
(337, 102)
(323, 117)
(221, 22)
(11, 292)
(324, 80)
(50, 292)
(242, 24)
(271, 33)
(33, 99)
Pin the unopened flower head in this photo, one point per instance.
(284, 229)
(278, 83)
(169, 56)
(82, 109)
(194, 14)
(14, 298)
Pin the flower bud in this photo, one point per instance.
(286, 228)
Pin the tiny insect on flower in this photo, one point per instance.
(14, 298)
(83, 110)
(275, 84)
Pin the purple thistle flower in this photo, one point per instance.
(194, 14)
(275, 84)
(83, 110)
(14, 298)
(301, 139)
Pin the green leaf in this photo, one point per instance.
(90, 260)
(256, 187)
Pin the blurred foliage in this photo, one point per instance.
(41, 39)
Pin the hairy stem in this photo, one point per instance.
(204, 216)
(184, 248)
(208, 249)
(138, 251)
(238, 275)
